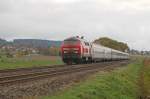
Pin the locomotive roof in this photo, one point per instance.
(75, 38)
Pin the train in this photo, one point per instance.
(77, 50)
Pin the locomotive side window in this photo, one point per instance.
(86, 43)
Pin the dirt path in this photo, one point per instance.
(144, 81)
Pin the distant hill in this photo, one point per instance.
(3, 42)
(37, 43)
(112, 44)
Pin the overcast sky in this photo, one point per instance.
(123, 20)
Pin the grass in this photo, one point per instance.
(118, 84)
(9, 63)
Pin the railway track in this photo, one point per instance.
(13, 76)
(29, 69)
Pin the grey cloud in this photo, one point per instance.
(51, 19)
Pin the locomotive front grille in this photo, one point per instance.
(71, 55)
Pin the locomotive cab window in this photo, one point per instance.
(71, 41)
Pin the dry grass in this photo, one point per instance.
(146, 75)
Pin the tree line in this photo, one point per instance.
(107, 42)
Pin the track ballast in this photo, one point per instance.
(15, 76)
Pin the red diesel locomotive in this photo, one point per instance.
(75, 50)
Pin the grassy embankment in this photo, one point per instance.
(30, 61)
(118, 84)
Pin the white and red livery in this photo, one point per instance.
(78, 50)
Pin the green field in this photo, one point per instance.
(118, 84)
(29, 61)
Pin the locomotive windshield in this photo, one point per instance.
(71, 41)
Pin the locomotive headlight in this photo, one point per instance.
(75, 51)
(65, 51)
